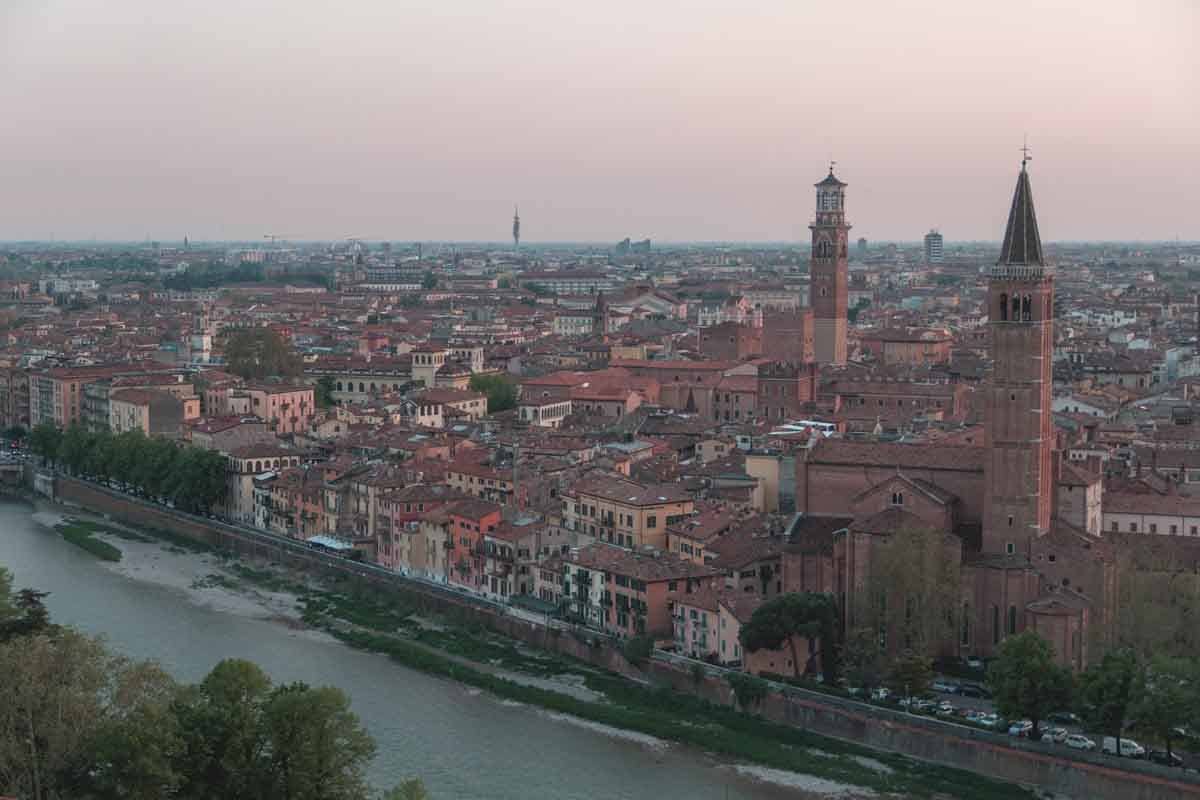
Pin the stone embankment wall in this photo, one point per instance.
(1083, 776)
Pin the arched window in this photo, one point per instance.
(1012, 620)
(1003, 307)
(995, 624)
(361, 388)
(966, 624)
(1026, 308)
(1016, 308)
(339, 386)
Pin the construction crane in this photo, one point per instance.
(275, 238)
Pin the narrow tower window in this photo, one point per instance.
(1025, 308)
(1016, 308)
(1003, 307)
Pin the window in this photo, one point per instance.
(1010, 520)
(995, 624)
(652, 521)
(1116, 527)
(1154, 527)
(1133, 527)
(1003, 307)
(1051, 558)
(897, 498)
(1010, 548)
(966, 624)
(1012, 620)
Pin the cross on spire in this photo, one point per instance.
(1025, 157)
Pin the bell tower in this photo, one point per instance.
(829, 271)
(1018, 468)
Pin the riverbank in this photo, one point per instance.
(385, 622)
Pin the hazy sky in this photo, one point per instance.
(388, 119)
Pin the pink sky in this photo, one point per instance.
(389, 119)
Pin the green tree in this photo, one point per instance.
(66, 704)
(429, 280)
(323, 392)
(411, 789)
(223, 753)
(1026, 680)
(910, 674)
(1106, 692)
(638, 649)
(15, 433)
(500, 390)
(913, 596)
(785, 618)
(258, 353)
(1166, 696)
(45, 440)
(317, 748)
(862, 659)
(74, 448)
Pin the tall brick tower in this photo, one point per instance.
(829, 271)
(1020, 427)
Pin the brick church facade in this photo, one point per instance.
(1002, 508)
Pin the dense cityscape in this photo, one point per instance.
(727, 456)
(544, 401)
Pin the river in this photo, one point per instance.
(463, 743)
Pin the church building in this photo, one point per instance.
(999, 512)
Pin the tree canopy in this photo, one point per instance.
(192, 478)
(1026, 680)
(782, 619)
(1106, 691)
(257, 353)
(1166, 696)
(913, 597)
(80, 723)
(500, 390)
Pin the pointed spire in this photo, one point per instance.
(1022, 243)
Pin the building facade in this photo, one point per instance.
(830, 271)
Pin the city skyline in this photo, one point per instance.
(428, 124)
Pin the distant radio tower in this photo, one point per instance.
(516, 229)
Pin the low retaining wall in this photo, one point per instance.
(1083, 776)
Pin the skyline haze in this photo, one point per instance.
(381, 122)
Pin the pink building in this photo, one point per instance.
(286, 408)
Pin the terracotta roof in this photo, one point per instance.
(1168, 504)
(619, 490)
(645, 566)
(906, 456)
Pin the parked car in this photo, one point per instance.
(990, 720)
(974, 690)
(1054, 734)
(944, 686)
(975, 662)
(945, 709)
(1064, 718)
(923, 705)
(1020, 728)
(1165, 758)
(1079, 742)
(1129, 748)
(880, 694)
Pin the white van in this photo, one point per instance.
(1129, 748)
